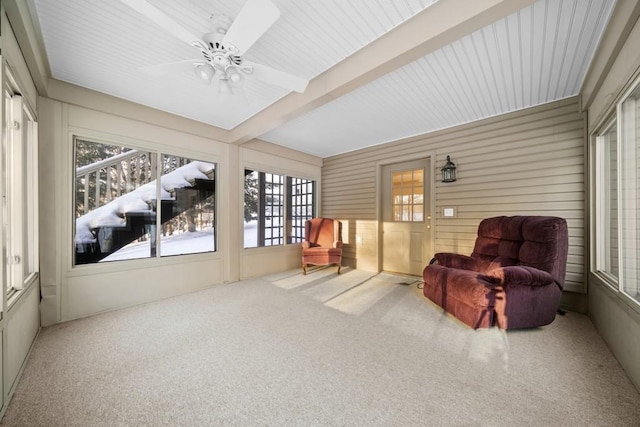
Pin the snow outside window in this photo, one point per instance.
(117, 213)
(188, 219)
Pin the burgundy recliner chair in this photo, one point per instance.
(513, 278)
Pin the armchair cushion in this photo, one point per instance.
(463, 262)
(464, 293)
(519, 275)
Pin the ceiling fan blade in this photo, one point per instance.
(277, 77)
(162, 20)
(253, 21)
(159, 70)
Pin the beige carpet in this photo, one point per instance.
(319, 350)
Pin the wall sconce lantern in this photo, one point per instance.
(449, 171)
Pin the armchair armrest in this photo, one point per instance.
(451, 260)
(519, 275)
(306, 244)
(337, 244)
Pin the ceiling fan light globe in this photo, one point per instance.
(224, 88)
(235, 78)
(204, 72)
(221, 23)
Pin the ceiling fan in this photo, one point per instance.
(223, 49)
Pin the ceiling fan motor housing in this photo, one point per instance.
(219, 60)
(218, 54)
(223, 47)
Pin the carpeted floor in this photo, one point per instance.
(356, 349)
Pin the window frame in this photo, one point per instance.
(602, 205)
(20, 236)
(623, 161)
(296, 223)
(406, 202)
(158, 152)
(597, 207)
(287, 226)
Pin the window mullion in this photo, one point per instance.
(287, 205)
(262, 208)
(156, 174)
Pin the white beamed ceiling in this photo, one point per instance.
(534, 55)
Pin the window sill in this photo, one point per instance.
(16, 294)
(141, 263)
(276, 248)
(606, 286)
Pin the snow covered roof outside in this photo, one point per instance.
(139, 200)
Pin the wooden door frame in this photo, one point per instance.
(430, 181)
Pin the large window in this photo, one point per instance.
(121, 214)
(19, 190)
(268, 199)
(607, 206)
(302, 206)
(188, 216)
(616, 191)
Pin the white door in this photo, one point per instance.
(406, 228)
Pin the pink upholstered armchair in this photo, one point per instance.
(322, 244)
(513, 278)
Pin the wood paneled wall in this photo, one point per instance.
(530, 162)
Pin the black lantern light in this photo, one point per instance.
(449, 171)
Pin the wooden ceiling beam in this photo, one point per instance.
(438, 25)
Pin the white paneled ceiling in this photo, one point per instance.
(538, 54)
(103, 45)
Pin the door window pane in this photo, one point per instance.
(408, 195)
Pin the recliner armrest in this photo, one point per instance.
(519, 275)
(459, 261)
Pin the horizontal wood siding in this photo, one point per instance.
(530, 162)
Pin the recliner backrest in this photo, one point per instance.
(535, 241)
(498, 242)
(545, 246)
